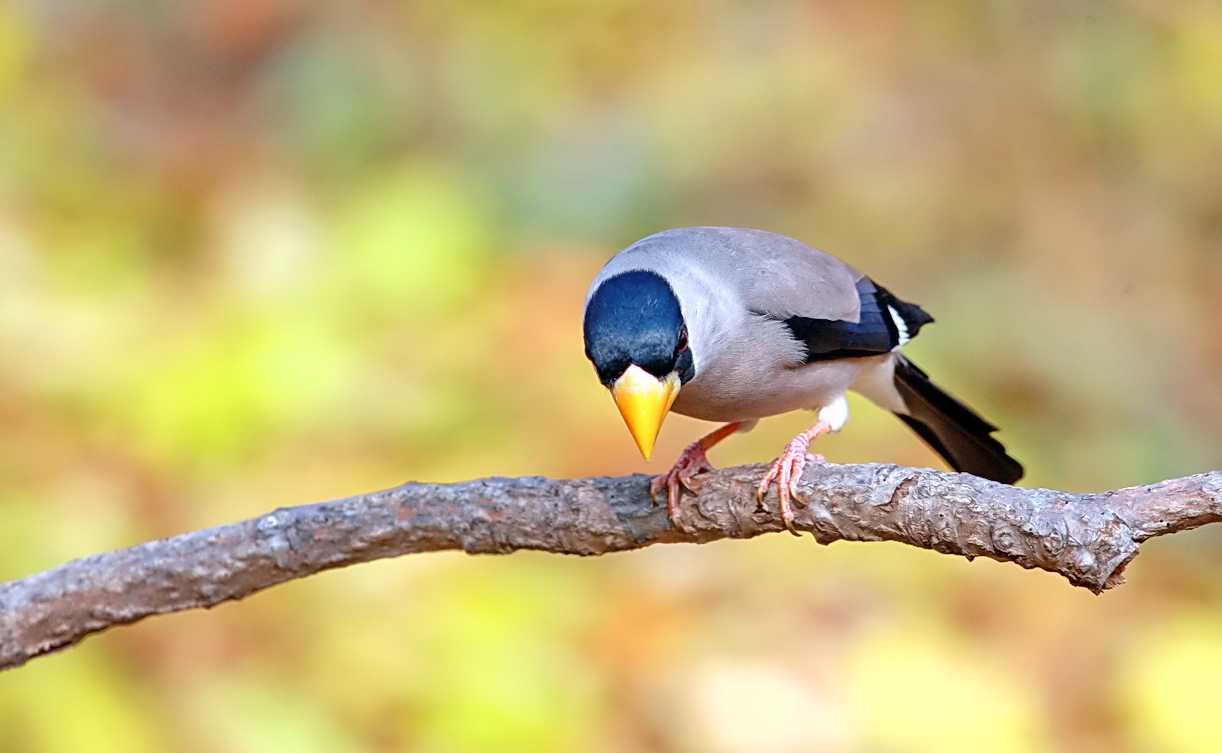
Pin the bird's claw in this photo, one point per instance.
(691, 463)
(787, 471)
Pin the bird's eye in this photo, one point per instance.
(682, 342)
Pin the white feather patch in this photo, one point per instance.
(900, 326)
(836, 413)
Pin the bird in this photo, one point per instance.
(733, 325)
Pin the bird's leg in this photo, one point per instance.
(691, 462)
(787, 470)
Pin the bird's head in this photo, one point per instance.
(637, 340)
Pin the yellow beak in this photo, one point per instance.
(643, 401)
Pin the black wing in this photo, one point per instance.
(885, 323)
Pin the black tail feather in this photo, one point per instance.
(951, 428)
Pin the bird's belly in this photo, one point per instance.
(746, 394)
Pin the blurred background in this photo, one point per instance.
(257, 253)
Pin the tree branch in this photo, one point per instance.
(1088, 538)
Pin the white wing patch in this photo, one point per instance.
(900, 327)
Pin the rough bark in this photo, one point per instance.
(1088, 538)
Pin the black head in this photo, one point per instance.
(634, 318)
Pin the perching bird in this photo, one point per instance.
(729, 324)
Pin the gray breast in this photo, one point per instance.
(760, 373)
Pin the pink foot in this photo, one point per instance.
(693, 461)
(787, 471)
(689, 464)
